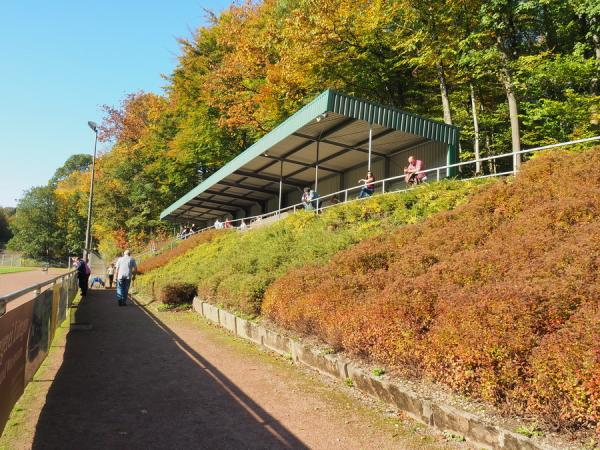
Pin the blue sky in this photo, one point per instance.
(60, 60)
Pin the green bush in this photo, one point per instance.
(178, 293)
(235, 269)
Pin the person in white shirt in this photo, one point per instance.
(111, 274)
(125, 271)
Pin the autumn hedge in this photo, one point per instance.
(498, 299)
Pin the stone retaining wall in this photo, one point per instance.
(441, 416)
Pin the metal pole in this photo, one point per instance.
(370, 144)
(317, 174)
(280, 185)
(91, 199)
(317, 169)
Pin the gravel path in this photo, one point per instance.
(170, 381)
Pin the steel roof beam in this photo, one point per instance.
(300, 163)
(286, 180)
(339, 144)
(239, 185)
(299, 147)
(208, 209)
(219, 207)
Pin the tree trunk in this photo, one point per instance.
(513, 105)
(595, 83)
(475, 128)
(444, 93)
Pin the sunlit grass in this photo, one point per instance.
(4, 270)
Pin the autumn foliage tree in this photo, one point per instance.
(506, 72)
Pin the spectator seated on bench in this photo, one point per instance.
(369, 186)
(411, 173)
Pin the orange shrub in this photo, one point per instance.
(183, 246)
(488, 298)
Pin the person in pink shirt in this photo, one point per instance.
(411, 173)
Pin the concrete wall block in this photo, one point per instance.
(361, 379)
(197, 305)
(312, 358)
(341, 365)
(227, 321)
(407, 401)
(295, 349)
(382, 389)
(486, 436)
(276, 342)
(514, 441)
(427, 412)
(446, 417)
(210, 312)
(248, 330)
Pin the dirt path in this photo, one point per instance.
(171, 381)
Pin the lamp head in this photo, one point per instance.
(93, 126)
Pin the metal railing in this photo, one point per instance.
(35, 288)
(386, 185)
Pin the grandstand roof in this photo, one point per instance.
(334, 125)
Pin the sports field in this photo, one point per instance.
(4, 270)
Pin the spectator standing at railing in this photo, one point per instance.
(243, 226)
(125, 272)
(369, 185)
(306, 199)
(413, 173)
(218, 224)
(314, 199)
(83, 275)
(227, 223)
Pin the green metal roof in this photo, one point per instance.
(350, 109)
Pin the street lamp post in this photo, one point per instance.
(88, 230)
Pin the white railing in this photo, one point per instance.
(386, 185)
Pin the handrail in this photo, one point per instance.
(436, 170)
(5, 299)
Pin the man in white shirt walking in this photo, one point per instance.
(125, 271)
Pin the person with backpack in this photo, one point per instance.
(83, 275)
(125, 271)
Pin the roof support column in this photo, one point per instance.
(386, 172)
(451, 158)
(370, 145)
(280, 185)
(317, 169)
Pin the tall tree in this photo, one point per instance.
(35, 227)
(75, 163)
(5, 231)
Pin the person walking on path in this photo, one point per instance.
(125, 271)
(111, 274)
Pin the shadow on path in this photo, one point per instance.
(132, 383)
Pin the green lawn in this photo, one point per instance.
(4, 270)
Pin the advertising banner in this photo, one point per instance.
(15, 327)
(26, 334)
